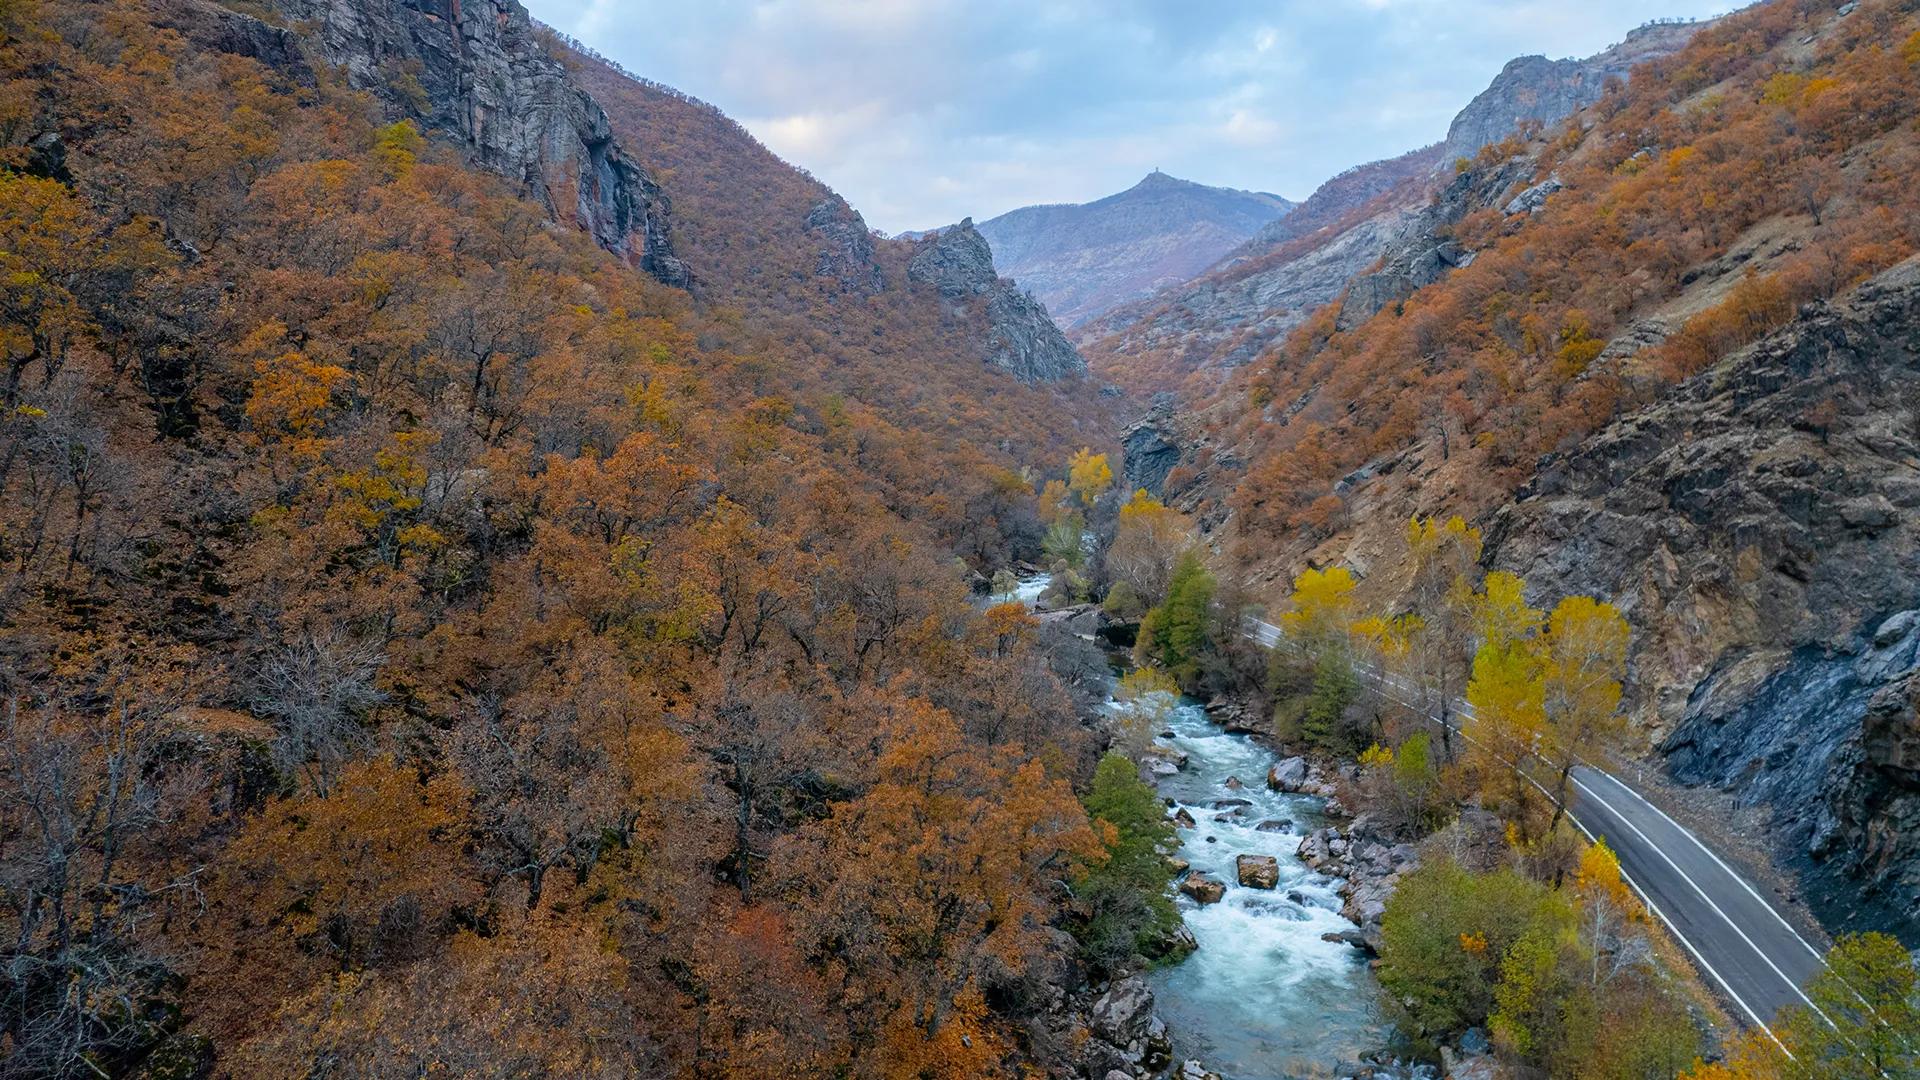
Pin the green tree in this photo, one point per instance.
(1126, 895)
(1334, 688)
(1444, 936)
(1868, 1024)
(1175, 634)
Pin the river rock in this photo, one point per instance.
(1178, 865)
(1232, 804)
(1191, 1069)
(1274, 825)
(1257, 871)
(1123, 1013)
(1159, 766)
(1182, 819)
(1203, 888)
(1350, 937)
(1289, 775)
(1233, 783)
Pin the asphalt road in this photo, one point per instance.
(1743, 945)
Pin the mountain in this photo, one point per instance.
(1661, 354)
(1081, 260)
(793, 254)
(485, 563)
(1296, 265)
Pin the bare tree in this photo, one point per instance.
(315, 690)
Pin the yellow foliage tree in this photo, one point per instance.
(1586, 657)
(1088, 476)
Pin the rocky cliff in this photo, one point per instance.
(1536, 90)
(1022, 338)
(1760, 527)
(476, 73)
(1082, 260)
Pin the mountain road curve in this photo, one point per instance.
(1741, 942)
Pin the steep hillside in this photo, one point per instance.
(1082, 260)
(1758, 527)
(1295, 266)
(801, 264)
(431, 646)
(1750, 518)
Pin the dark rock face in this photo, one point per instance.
(1021, 337)
(474, 72)
(1758, 527)
(1149, 454)
(846, 246)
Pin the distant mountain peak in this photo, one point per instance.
(1084, 259)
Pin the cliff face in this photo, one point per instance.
(1761, 529)
(1083, 260)
(1022, 338)
(474, 72)
(1534, 89)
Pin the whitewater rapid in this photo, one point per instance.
(1263, 997)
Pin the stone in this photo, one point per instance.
(1274, 825)
(846, 246)
(1257, 871)
(1289, 775)
(1123, 1013)
(1233, 784)
(1182, 819)
(1203, 888)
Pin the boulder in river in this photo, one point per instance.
(1233, 783)
(1203, 888)
(1232, 804)
(1289, 775)
(1182, 819)
(1274, 825)
(1257, 871)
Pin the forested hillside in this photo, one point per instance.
(1606, 269)
(431, 646)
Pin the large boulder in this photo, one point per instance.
(1289, 775)
(1257, 871)
(1203, 889)
(1124, 1012)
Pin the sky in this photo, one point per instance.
(921, 112)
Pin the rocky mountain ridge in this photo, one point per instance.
(1298, 264)
(1084, 259)
(477, 74)
(1536, 90)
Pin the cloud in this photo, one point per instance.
(921, 112)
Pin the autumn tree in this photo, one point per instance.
(1586, 658)
(1149, 538)
(1445, 557)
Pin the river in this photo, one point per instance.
(1263, 998)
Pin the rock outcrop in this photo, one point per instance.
(475, 73)
(1536, 90)
(1021, 339)
(1148, 454)
(1760, 528)
(846, 246)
